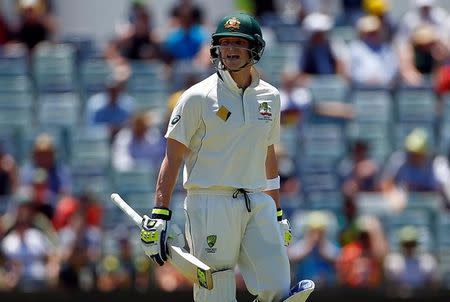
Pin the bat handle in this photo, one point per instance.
(126, 208)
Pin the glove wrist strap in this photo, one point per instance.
(279, 214)
(161, 213)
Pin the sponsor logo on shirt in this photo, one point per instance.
(223, 113)
(265, 111)
(211, 241)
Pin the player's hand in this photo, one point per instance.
(154, 234)
(285, 228)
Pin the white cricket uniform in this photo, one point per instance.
(227, 131)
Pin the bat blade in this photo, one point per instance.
(187, 264)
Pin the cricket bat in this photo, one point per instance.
(188, 265)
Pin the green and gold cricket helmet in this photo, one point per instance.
(243, 26)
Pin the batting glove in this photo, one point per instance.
(285, 228)
(154, 234)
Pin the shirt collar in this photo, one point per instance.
(225, 76)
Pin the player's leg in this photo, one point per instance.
(263, 259)
(213, 232)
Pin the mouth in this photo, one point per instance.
(232, 58)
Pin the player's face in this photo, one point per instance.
(234, 52)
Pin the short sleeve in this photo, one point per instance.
(185, 118)
(274, 134)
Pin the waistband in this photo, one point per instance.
(218, 191)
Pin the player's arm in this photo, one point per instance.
(272, 173)
(175, 153)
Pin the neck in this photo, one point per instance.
(243, 77)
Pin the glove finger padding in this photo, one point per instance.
(286, 232)
(154, 235)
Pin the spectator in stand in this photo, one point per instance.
(410, 268)
(352, 10)
(321, 56)
(119, 269)
(8, 173)
(360, 262)
(112, 107)
(442, 79)
(358, 173)
(423, 12)
(185, 41)
(5, 30)
(78, 236)
(35, 24)
(349, 232)
(139, 144)
(49, 178)
(75, 273)
(421, 56)
(373, 62)
(296, 101)
(177, 10)
(380, 9)
(411, 168)
(137, 40)
(315, 255)
(29, 253)
(85, 203)
(289, 175)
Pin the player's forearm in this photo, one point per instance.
(275, 194)
(166, 181)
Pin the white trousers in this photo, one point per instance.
(222, 233)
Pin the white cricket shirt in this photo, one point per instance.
(227, 131)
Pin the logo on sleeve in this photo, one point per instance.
(175, 119)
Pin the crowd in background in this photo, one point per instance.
(56, 231)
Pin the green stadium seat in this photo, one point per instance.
(93, 75)
(326, 140)
(415, 105)
(54, 67)
(345, 33)
(374, 106)
(90, 146)
(59, 109)
(328, 88)
(150, 100)
(15, 84)
(140, 179)
(377, 135)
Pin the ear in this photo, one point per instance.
(213, 51)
